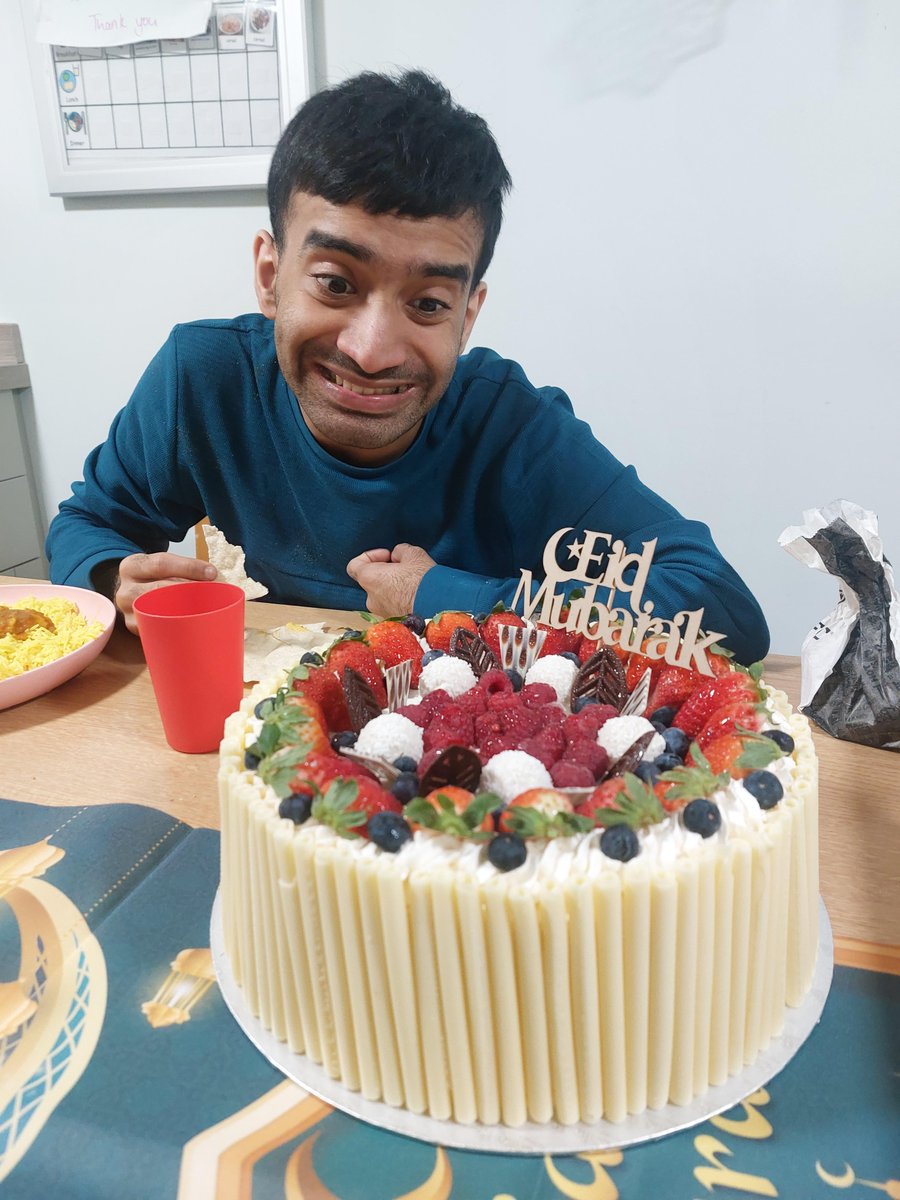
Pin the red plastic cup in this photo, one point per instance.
(193, 639)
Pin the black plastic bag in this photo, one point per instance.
(849, 661)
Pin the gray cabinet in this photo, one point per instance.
(21, 523)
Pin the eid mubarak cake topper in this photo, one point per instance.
(605, 568)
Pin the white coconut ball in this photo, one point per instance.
(619, 733)
(449, 673)
(390, 736)
(555, 670)
(511, 772)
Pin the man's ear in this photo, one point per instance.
(265, 271)
(473, 308)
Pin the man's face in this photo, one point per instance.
(371, 314)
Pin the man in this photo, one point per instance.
(339, 437)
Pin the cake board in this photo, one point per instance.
(532, 1138)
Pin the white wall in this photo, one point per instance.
(703, 248)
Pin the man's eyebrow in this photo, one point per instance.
(317, 239)
(458, 271)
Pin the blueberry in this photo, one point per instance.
(514, 678)
(701, 816)
(667, 761)
(414, 623)
(480, 618)
(350, 634)
(264, 708)
(647, 771)
(506, 852)
(571, 656)
(677, 741)
(430, 656)
(313, 659)
(389, 831)
(296, 807)
(581, 702)
(343, 740)
(664, 715)
(405, 786)
(765, 787)
(251, 761)
(621, 842)
(782, 740)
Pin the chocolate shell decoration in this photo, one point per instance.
(474, 650)
(519, 647)
(601, 678)
(361, 703)
(386, 773)
(632, 755)
(457, 766)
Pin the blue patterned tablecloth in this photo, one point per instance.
(97, 1103)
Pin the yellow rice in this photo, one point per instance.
(40, 646)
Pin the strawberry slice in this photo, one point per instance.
(710, 695)
(673, 686)
(726, 718)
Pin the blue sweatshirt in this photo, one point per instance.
(212, 429)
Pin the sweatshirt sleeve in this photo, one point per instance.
(137, 494)
(596, 492)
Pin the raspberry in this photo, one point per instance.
(520, 723)
(500, 700)
(496, 745)
(495, 681)
(595, 716)
(473, 701)
(552, 736)
(435, 738)
(534, 694)
(415, 713)
(552, 716)
(589, 754)
(487, 725)
(569, 774)
(541, 751)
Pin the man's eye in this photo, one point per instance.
(428, 306)
(335, 285)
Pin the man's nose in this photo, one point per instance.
(373, 336)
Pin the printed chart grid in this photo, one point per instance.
(170, 97)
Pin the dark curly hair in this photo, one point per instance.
(391, 144)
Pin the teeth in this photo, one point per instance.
(391, 391)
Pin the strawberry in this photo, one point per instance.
(722, 754)
(353, 653)
(453, 810)
(538, 812)
(558, 641)
(348, 804)
(489, 629)
(672, 687)
(393, 643)
(320, 769)
(314, 730)
(726, 718)
(439, 629)
(710, 695)
(603, 796)
(323, 688)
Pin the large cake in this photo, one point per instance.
(613, 917)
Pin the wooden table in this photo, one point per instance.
(98, 739)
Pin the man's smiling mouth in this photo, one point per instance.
(339, 381)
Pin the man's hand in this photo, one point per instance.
(142, 572)
(390, 578)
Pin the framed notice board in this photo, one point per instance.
(169, 113)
